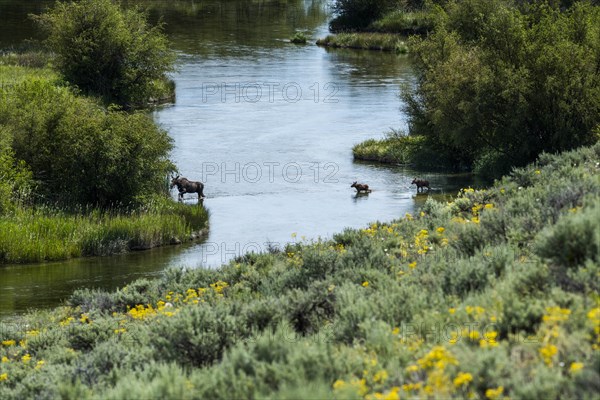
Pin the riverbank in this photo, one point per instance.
(395, 148)
(41, 234)
(69, 166)
(366, 41)
(490, 295)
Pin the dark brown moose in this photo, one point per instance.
(184, 185)
(421, 184)
(360, 187)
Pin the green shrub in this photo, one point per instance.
(573, 240)
(299, 38)
(357, 14)
(196, 336)
(107, 51)
(81, 154)
(491, 104)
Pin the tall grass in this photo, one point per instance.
(43, 234)
(406, 23)
(395, 148)
(14, 74)
(366, 41)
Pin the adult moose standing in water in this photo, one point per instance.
(184, 185)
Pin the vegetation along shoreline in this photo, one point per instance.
(84, 173)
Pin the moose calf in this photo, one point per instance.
(420, 184)
(360, 187)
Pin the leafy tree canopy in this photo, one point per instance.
(107, 51)
(499, 83)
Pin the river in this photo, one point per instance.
(267, 125)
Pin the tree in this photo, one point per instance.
(80, 153)
(358, 14)
(498, 85)
(107, 51)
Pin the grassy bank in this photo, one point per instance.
(492, 295)
(405, 22)
(38, 234)
(61, 148)
(394, 148)
(366, 41)
(417, 151)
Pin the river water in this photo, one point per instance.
(267, 125)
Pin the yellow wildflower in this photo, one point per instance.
(40, 364)
(5, 359)
(408, 217)
(548, 352)
(412, 265)
(489, 341)
(556, 314)
(494, 393)
(438, 357)
(411, 386)
(575, 367)
(365, 284)
(67, 321)
(452, 310)
(8, 343)
(440, 230)
(338, 384)
(463, 379)
(3, 377)
(412, 368)
(489, 206)
(26, 358)
(219, 286)
(32, 332)
(380, 376)
(85, 319)
(537, 172)
(392, 394)
(454, 338)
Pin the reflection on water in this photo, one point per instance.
(41, 285)
(268, 126)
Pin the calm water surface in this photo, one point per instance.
(268, 126)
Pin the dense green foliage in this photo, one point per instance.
(78, 152)
(104, 172)
(405, 22)
(107, 51)
(498, 84)
(493, 294)
(357, 14)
